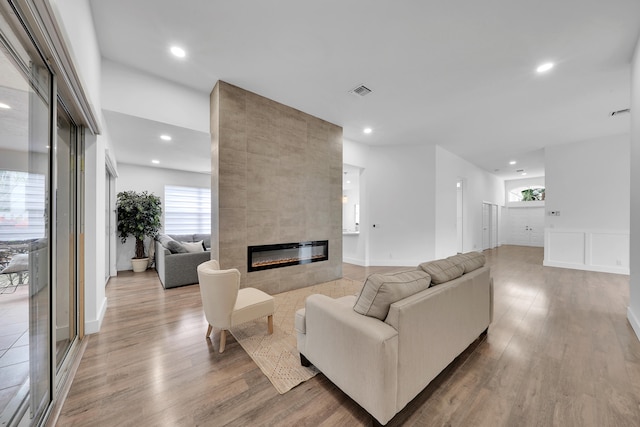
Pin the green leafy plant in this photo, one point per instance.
(138, 216)
(532, 194)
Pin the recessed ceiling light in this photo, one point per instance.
(178, 52)
(367, 130)
(4, 106)
(545, 67)
(348, 182)
(165, 137)
(512, 162)
(155, 162)
(524, 173)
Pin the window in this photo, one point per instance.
(187, 210)
(21, 205)
(526, 194)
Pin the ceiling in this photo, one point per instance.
(460, 74)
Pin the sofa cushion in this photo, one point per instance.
(442, 270)
(193, 246)
(173, 246)
(206, 239)
(382, 290)
(182, 237)
(469, 261)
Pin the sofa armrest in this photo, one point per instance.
(182, 269)
(159, 258)
(357, 353)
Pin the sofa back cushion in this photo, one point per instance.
(442, 270)
(381, 290)
(173, 246)
(470, 261)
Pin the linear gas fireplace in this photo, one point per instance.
(282, 255)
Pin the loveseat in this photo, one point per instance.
(385, 345)
(178, 256)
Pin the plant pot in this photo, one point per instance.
(139, 264)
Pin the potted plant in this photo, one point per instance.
(138, 216)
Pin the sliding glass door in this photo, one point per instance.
(66, 242)
(25, 231)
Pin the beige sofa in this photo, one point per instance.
(384, 364)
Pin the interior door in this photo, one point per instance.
(486, 224)
(526, 226)
(494, 226)
(536, 226)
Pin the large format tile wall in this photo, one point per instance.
(276, 178)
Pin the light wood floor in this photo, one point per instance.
(559, 352)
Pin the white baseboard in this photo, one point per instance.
(93, 326)
(585, 267)
(355, 261)
(633, 320)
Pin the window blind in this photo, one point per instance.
(187, 210)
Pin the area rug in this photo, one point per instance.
(277, 354)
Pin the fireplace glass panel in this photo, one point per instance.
(282, 255)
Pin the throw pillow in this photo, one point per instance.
(175, 247)
(442, 270)
(193, 246)
(382, 290)
(469, 261)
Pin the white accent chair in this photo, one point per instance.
(226, 305)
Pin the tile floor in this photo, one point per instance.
(14, 343)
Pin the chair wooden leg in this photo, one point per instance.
(270, 323)
(223, 339)
(209, 329)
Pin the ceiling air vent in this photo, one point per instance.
(519, 170)
(361, 90)
(615, 113)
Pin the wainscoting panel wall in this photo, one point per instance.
(593, 250)
(277, 173)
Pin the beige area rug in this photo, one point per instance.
(277, 354)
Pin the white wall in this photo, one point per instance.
(80, 38)
(478, 186)
(138, 94)
(153, 180)
(400, 194)
(95, 298)
(589, 183)
(409, 193)
(633, 313)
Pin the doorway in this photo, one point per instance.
(525, 226)
(490, 225)
(460, 215)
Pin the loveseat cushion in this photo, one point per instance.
(442, 270)
(381, 290)
(173, 246)
(193, 246)
(469, 261)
